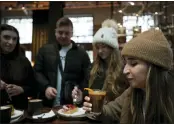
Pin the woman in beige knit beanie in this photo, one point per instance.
(150, 98)
(106, 71)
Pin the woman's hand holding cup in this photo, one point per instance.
(87, 105)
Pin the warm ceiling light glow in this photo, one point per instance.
(156, 13)
(23, 7)
(132, 3)
(120, 11)
(10, 8)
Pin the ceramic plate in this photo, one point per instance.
(17, 113)
(80, 113)
(47, 115)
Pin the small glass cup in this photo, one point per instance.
(97, 100)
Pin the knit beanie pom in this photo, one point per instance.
(110, 23)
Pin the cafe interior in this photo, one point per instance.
(40, 19)
(36, 21)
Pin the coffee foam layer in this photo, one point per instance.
(97, 93)
(35, 100)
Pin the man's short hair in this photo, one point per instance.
(64, 21)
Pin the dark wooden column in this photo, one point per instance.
(55, 13)
(0, 15)
(40, 31)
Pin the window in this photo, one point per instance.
(25, 28)
(28, 55)
(146, 22)
(83, 29)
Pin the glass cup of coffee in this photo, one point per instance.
(97, 100)
(34, 105)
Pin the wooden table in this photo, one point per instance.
(56, 120)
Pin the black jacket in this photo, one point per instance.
(18, 71)
(46, 67)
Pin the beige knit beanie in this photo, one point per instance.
(107, 34)
(151, 46)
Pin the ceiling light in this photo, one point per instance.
(132, 3)
(156, 13)
(10, 8)
(120, 11)
(23, 7)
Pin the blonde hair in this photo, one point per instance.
(115, 64)
(113, 72)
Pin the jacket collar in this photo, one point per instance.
(74, 45)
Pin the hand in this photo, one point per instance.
(65, 108)
(2, 85)
(86, 105)
(77, 94)
(14, 90)
(50, 93)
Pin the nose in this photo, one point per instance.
(10, 41)
(126, 70)
(63, 35)
(99, 50)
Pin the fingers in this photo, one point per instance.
(75, 92)
(87, 98)
(76, 88)
(9, 86)
(14, 90)
(2, 85)
(51, 93)
(86, 105)
(54, 91)
(65, 108)
(87, 109)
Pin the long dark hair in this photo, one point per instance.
(10, 62)
(159, 98)
(16, 51)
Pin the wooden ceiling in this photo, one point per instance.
(33, 5)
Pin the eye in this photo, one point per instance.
(15, 39)
(7, 37)
(60, 32)
(133, 63)
(67, 33)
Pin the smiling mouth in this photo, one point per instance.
(8, 47)
(130, 79)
